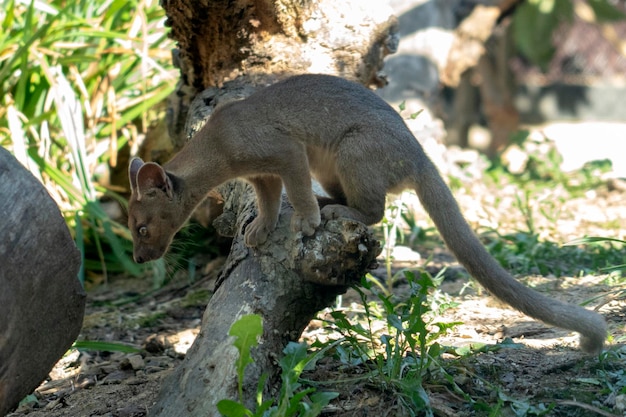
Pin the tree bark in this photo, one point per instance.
(221, 40)
(41, 300)
(226, 52)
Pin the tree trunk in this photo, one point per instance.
(41, 301)
(226, 51)
(286, 281)
(469, 58)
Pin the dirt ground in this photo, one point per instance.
(534, 370)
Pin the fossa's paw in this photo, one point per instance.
(257, 232)
(306, 225)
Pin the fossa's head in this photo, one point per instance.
(153, 212)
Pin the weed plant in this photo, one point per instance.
(402, 353)
(293, 400)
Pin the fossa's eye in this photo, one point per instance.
(143, 231)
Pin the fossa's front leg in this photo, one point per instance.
(306, 216)
(268, 189)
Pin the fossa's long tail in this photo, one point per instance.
(461, 240)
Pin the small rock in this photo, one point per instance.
(136, 362)
(116, 377)
(405, 254)
(131, 411)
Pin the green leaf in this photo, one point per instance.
(296, 399)
(230, 408)
(262, 406)
(417, 113)
(115, 7)
(246, 332)
(593, 239)
(395, 322)
(295, 358)
(104, 346)
(418, 395)
(324, 397)
(8, 17)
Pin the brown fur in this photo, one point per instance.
(356, 146)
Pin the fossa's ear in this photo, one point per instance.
(149, 177)
(133, 168)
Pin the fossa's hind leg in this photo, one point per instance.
(364, 200)
(365, 209)
(335, 193)
(325, 201)
(358, 179)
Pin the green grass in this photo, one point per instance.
(77, 82)
(525, 253)
(395, 338)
